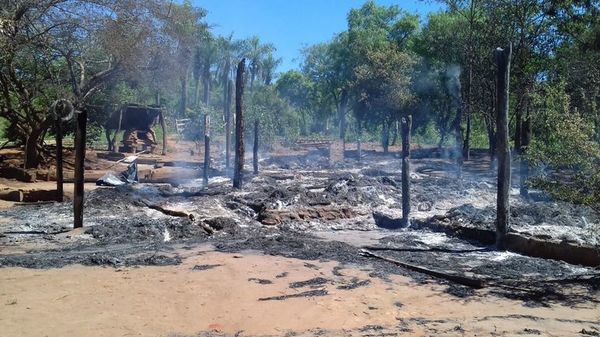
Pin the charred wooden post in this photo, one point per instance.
(406, 127)
(206, 148)
(228, 125)
(239, 125)
(255, 149)
(59, 160)
(80, 137)
(503, 206)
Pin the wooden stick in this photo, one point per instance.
(80, 137)
(503, 147)
(239, 126)
(467, 281)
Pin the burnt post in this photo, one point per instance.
(255, 148)
(206, 148)
(59, 160)
(406, 126)
(503, 148)
(239, 125)
(228, 125)
(80, 137)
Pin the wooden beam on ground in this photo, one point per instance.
(464, 280)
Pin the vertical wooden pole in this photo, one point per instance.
(228, 125)
(503, 206)
(80, 136)
(239, 125)
(406, 128)
(255, 149)
(206, 148)
(59, 160)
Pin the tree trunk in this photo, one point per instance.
(358, 143)
(206, 149)
(343, 107)
(183, 102)
(33, 156)
(469, 111)
(524, 165)
(80, 137)
(406, 128)
(59, 160)
(503, 205)
(395, 137)
(228, 125)
(239, 125)
(385, 137)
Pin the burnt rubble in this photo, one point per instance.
(282, 212)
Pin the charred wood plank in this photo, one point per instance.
(430, 249)
(467, 281)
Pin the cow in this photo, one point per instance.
(135, 117)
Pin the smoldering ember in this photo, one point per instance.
(421, 168)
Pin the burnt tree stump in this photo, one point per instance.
(239, 125)
(80, 137)
(406, 127)
(503, 146)
(255, 148)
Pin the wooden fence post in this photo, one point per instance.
(406, 128)
(80, 139)
(239, 125)
(503, 147)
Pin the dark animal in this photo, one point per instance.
(135, 117)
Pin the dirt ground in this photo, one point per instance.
(214, 293)
(285, 256)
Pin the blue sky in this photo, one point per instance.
(291, 24)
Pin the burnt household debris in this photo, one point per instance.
(314, 224)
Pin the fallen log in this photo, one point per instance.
(467, 281)
(179, 214)
(430, 249)
(11, 195)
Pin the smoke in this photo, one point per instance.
(453, 81)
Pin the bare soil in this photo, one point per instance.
(188, 300)
(282, 257)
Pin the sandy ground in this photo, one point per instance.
(177, 300)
